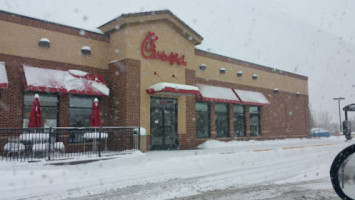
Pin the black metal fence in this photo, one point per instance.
(66, 142)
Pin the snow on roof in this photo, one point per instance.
(50, 80)
(172, 88)
(219, 94)
(160, 86)
(44, 40)
(3, 76)
(251, 98)
(86, 48)
(77, 72)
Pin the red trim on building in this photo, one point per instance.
(3, 85)
(201, 98)
(3, 76)
(252, 103)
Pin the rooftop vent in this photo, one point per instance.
(86, 50)
(44, 42)
(203, 67)
(222, 70)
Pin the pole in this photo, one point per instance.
(339, 99)
(341, 129)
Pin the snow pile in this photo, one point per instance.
(71, 81)
(95, 135)
(34, 137)
(217, 93)
(40, 147)
(213, 144)
(250, 97)
(143, 132)
(160, 86)
(3, 75)
(77, 72)
(14, 147)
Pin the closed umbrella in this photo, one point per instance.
(95, 114)
(36, 114)
(95, 122)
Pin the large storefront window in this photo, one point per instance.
(49, 108)
(254, 112)
(202, 111)
(239, 120)
(79, 115)
(222, 120)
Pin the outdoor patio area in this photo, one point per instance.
(66, 142)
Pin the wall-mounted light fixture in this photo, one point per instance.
(44, 42)
(239, 73)
(255, 76)
(222, 70)
(298, 94)
(203, 67)
(276, 90)
(86, 50)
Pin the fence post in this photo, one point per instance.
(139, 138)
(49, 143)
(100, 130)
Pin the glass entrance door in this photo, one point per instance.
(163, 123)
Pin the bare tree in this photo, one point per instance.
(323, 120)
(312, 118)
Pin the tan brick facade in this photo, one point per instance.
(117, 56)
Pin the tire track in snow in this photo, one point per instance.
(219, 180)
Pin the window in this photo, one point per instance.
(202, 117)
(239, 120)
(79, 115)
(254, 112)
(49, 108)
(222, 120)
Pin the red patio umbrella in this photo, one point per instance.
(36, 114)
(95, 114)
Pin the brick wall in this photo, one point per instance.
(125, 96)
(287, 116)
(11, 107)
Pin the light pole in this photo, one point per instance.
(339, 99)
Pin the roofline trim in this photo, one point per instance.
(154, 13)
(245, 63)
(51, 23)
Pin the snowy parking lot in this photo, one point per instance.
(278, 169)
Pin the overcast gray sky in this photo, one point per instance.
(315, 38)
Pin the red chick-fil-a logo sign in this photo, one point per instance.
(148, 50)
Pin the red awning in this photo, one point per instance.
(251, 98)
(71, 81)
(218, 94)
(172, 89)
(3, 76)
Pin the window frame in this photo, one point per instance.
(258, 114)
(77, 136)
(235, 121)
(208, 117)
(227, 121)
(30, 93)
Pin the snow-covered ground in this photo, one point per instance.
(278, 169)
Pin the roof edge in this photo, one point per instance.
(157, 12)
(245, 63)
(100, 36)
